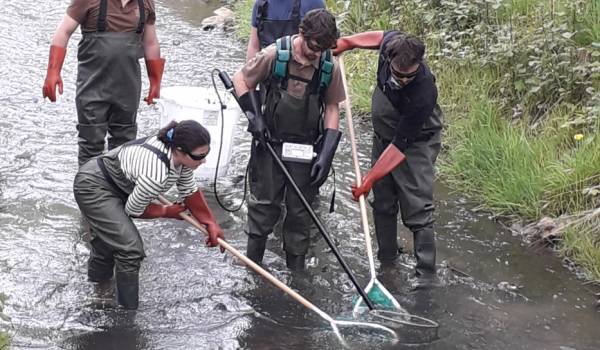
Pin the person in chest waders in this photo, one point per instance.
(274, 19)
(304, 87)
(115, 35)
(407, 125)
(122, 184)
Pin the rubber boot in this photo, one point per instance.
(424, 244)
(255, 250)
(101, 262)
(294, 262)
(386, 229)
(128, 289)
(104, 294)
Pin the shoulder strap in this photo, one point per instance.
(296, 11)
(142, 11)
(326, 70)
(284, 52)
(261, 11)
(101, 24)
(142, 142)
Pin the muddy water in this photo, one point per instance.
(497, 292)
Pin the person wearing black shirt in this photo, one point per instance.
(407, 124)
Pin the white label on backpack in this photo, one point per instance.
(297, 152)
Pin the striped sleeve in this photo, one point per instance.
(145, 191)
(149, 175)
(186, 184)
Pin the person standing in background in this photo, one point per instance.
(274, 19)
(115, 35)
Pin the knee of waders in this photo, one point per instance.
(120, 134)
(100, 270)
(92, 133)
(385, 207)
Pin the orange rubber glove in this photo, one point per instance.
(53, 79)
(155, 70)
(199, 208)
(154, 211)
(388, 161)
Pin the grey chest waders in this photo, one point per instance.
(101, 190)
(108, 86)
(409, 188)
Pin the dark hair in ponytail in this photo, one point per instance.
(187, 135)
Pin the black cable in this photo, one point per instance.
(223, 106)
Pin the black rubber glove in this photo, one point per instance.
(249, 102)
(322, 165)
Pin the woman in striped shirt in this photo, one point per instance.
(122, 184)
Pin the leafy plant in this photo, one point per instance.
(4, 338)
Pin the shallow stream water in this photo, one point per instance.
(497, 293)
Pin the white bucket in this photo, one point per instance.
(202, 105)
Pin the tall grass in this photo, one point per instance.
(4, 338)
(242, 19)
(496, 162)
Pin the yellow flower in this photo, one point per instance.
(578, 137)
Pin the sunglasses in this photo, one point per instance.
(399, 75)
(314, 47)
(196, 157)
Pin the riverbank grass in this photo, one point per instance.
(4, 337)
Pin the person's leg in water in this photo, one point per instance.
(297, 224)
(116, 239)
(264, 203)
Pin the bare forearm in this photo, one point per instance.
(151, 45)
(253, 44)
(240, 85)
(64, 31)
(365, 40)
(332, 116)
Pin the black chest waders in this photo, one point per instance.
(409, 188)
(108, 86)
(270, 30)
(101, 190)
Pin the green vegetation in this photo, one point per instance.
(519, 83)
(4, 338)
(243, 14)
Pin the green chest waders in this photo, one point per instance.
(108, 86)
(409, 188)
